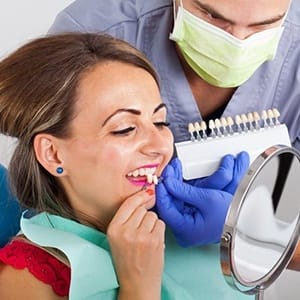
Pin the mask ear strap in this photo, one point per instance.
(174, 12)
(174, 5)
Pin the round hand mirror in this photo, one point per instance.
(262, 226)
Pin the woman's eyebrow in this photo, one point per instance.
(131, 111)
(122, 110)
(160, 106)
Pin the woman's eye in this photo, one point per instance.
(161, 124)
(124, 131)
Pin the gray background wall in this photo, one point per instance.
(20, 21)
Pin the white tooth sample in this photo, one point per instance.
(211, 126)
(155, 179)
(191, 129)
(238, 119)
(276, 116)
(256, 118)
(276, 112)
(270, 116)
(203, 125)
(250, 120)
(198, 129)
(230, 123)
(264, 117)
(218, 126)
(244, 121)
(135, 173)
(129, 174)
(197, 126)
(250, 117)
(244, 118)
(203, 128)
(223, 122)
(149, 178)
(224, 125)
(238, 122)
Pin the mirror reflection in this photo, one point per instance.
(268, 218)
(262, 225)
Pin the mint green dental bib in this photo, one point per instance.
(192, 273)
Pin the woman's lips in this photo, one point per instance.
(138, 181)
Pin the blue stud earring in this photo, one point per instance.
(59, 170)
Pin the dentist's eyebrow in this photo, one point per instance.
(218, 15)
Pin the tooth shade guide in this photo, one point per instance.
(227, 126)
(249, 132)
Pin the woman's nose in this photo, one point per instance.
(157, 142)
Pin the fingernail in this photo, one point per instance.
(144, 187)
(150, 192)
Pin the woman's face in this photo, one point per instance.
(119, 130)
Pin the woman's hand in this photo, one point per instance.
(136, 238)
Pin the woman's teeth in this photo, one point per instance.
(149, 173)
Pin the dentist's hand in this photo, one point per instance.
(196, 211)
(227, 177)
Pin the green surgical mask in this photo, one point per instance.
(218, 57)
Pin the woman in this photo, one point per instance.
(93, 141)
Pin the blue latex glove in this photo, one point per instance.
(227, 177)
(10, 210)
(196, 212)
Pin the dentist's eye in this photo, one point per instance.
(208, 14)
(124, 131)
(161, 124)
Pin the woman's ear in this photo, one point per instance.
(46, 149)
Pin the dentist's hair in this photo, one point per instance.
(38, 91)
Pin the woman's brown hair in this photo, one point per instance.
(38, 87)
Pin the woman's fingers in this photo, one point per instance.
(130, 205)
